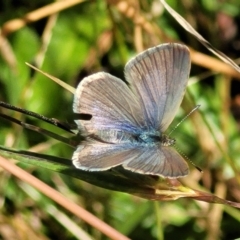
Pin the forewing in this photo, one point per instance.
(110, 102)
(163, 161)
(158, 78)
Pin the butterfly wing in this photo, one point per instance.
(110, 102)
(164, 161)
(97, 156)
(116, 117)
(158, 78)
(155, 160)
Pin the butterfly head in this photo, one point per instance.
(167, 141)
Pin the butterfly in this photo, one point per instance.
(128, 121)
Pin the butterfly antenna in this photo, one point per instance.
(194, 109)
(187, 158)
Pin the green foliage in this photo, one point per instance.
(95, 36)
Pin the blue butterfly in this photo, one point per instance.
(128, 120)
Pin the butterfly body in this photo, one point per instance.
(144, 139)
(128, 121)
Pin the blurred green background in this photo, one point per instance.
(102, 36)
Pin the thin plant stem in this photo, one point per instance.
(160, 235)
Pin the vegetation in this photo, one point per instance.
(73, 39)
